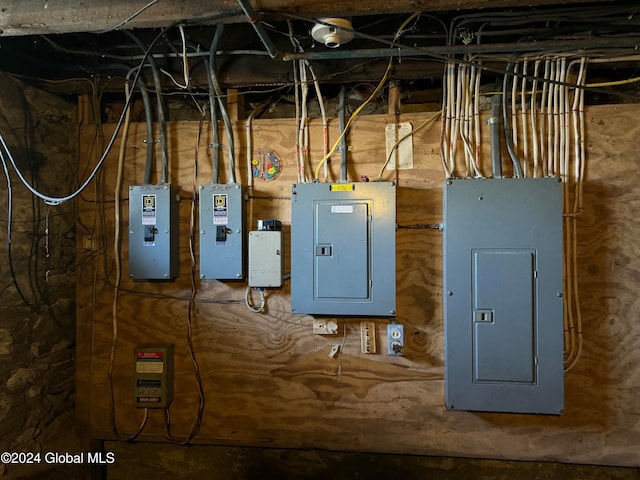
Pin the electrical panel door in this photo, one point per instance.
(343, 248)
(503, 308)
(153, 232)
(222, 231)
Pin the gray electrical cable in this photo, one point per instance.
(223, 110)
(215, 137)
(164, 171)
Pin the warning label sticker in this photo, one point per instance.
(148, 209)
(220, 209)
(149, 362)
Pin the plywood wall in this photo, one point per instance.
(268, 381)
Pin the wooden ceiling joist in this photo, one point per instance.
(28, 17)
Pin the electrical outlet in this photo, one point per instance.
(324, 327)
(395, 339)
(368, 337)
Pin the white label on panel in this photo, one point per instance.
(341, 208)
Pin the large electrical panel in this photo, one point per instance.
(153, 232)
(222, 231)
(503, 306)
(343, 248)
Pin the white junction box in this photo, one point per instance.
(266, 259)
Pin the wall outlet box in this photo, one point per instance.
(395, 339)
(153, 374)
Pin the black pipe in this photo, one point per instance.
(262, 33)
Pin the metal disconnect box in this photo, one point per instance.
(153, 232)
(503, 307)
(343, 248)
(222, 231)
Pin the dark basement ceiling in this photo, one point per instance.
(64, 39)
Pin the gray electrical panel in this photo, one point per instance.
(153, 232)
(503, 307)
(222, 231)
(343, 248)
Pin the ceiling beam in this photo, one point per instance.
(29, 17)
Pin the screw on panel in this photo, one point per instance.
(559, 294)
(166, 275)
(449, 182)
(392, 312)
(202, 232)
(238, 275)
(202, 276)
(450, 293)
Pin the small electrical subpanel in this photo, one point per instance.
(266, 255)
(222, 231)
(153, 232)
(153, 375)
(343, 248)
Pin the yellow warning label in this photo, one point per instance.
(342, 187)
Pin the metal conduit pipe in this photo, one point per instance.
(496, 149)
(262, 33)
(343, 142)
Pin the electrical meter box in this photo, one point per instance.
(222, 231)
(503, 306)
(153, 375)
(343, 248)
(153, 232)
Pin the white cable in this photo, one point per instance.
(250, 306)
(49, 200)
(533, 113)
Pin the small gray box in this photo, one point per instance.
(266, 259)
(222, 231)
(503, 309)
(153, 232)
(343, 248)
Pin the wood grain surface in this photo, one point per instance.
(268, 380)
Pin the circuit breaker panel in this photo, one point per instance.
(222, 231)
(343, 248)
(153, 232)
(503, 306)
